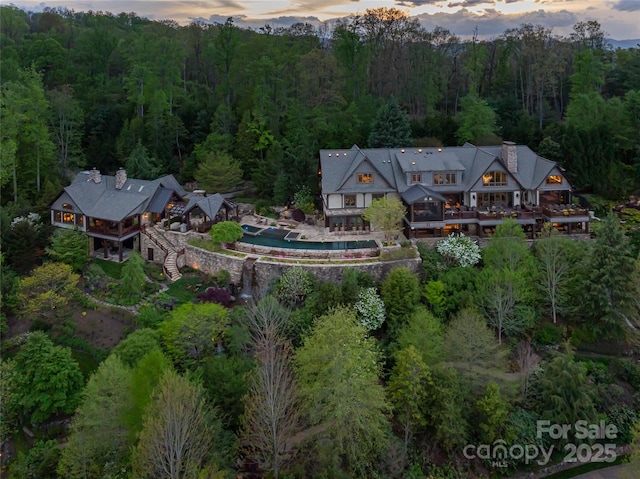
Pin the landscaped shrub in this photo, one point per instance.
(294, 285)
(370, 308)
(154, 271)
(215, 295)
(459, 250)
(223, 278)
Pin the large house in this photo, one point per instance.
(467, 189)
(114, 210)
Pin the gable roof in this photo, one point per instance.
(210, 205)
(420, 193)
(395, 165)
(103, 200)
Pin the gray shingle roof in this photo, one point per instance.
(395, 165)
(102, 200)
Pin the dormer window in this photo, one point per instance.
(494, 178)
(416, 178)
(444, 178)
(554, 180)
(67, 206)
(365, 177)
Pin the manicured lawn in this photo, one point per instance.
(111, 268)
(183, 289)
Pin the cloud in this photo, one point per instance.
(417, 3)
(627, 5)
(469, 3)
(492, 23)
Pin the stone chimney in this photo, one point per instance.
(95, 176)
(121, 178)
(510, 156)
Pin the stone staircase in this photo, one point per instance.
(170, 265)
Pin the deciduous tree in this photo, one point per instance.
(99, 436)
(70, 247)
(338, 369)
(386, 215)
(48, 379)
(178, 431)
(46, 292)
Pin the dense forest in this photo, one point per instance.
(94, 89)
(405, 377)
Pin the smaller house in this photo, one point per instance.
(114, 210)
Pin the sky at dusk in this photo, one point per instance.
(620, 19)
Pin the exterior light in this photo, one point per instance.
(419, 150)
(329, 154)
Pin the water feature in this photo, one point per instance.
(248, 278)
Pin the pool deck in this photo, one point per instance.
(310, 232)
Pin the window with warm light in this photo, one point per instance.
(444, 178)
(67, 206)
(495, 178)
(68, 218)
(416, 178)
(349, 201)
(365, 177)
(554, 180)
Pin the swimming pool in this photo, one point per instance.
(281, 238)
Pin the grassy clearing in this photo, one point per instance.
(183, 289)
(110, 268)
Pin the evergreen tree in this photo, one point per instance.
(610, 290)
(141, 165)
(391, 127)
(133, 276)
(219, 172)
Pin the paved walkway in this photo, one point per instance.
(621, 471)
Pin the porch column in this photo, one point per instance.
(105, 248)
(120, 251)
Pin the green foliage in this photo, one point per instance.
(400, 292)
(225, 381)
(223, 278)
(409, 390)
(425, 333)
(610, 288)
(137, 345)
(98, 438)
(476, 118)
(226, 232)
(133, 277)
(48, 379)
(549, 334)
(492, 411)
(447, 416)
(145, 378)
(219, 172)
(386, 214)
(69, 247)
(45, 294)
(434, 294)
(303, 199)
(564, 391)
(8, 398)
(293, 286)
(193, 332)
(338, 370)
(178, 431)
(141, 165)
(470, 342)
(391, 127)
(39, 463)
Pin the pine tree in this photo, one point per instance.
(391, 128)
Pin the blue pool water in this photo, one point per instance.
(275, 238)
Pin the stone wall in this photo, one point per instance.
(265, 271)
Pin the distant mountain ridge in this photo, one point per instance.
(624, 44)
